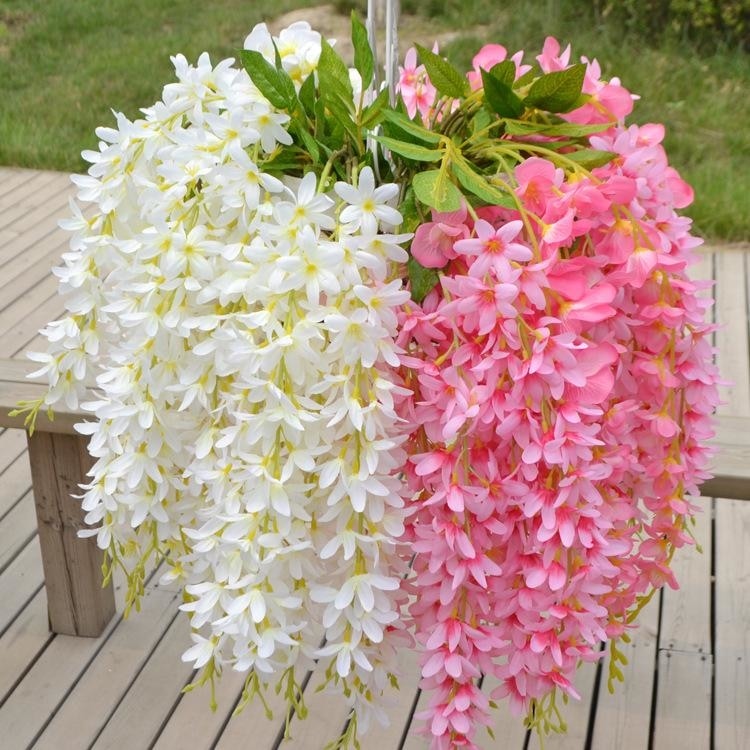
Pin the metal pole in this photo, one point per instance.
(392, 12)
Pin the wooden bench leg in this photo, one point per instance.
(76, 602)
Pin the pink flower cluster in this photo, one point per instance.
(563, 389)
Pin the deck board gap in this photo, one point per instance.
(410, 719)
(14, 503)
(595, 699)
(26, 601)
(172, 709)
(123, 695)
(655, 686)
(28, 667)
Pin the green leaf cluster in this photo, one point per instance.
(329, 128)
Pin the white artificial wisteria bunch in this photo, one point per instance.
(237, 317)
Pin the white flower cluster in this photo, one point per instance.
(240, 331)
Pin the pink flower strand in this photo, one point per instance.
(415, 87)
(563, 391)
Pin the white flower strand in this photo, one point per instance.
(238, 329)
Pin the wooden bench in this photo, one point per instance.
(77, 603)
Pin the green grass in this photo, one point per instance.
(65, 63)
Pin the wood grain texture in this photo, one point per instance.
(45, 686)
(15, 481)
(398, 708)
(17, 530)
(78, 604)
(732, 335)
(732, 659)
(683, 706)
(623, 718)
(327, 715)
(102, 686)
(19, 582)
(575, 714)
(146, 706)
(252, 722)
(21, 643)
(193, 724)
(686, 616)
(11, 178)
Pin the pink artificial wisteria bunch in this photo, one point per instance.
(563, 388)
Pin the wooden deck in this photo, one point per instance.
(687, 683)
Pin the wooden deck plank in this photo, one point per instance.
(14, 244)
(26, 195)
(19, 582)
(38, 696)
(54, 191)
(31, 267)
(21, 643)
(622, 718)
(141, 714)
(43, 309)
(327, 714)
(193, 724)
(686, 613)
(252, 722)
(11, 179)
(15, 480)
(732, 336)
(399, 712)
(16, 309)
(732, 657)
(575, 714)
(17, 529)
(97, 694)
(683, 705)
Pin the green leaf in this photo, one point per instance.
(501, 97)
(589, 158)
(287, 87)
(285, 81)
(307, 95)
(372, 114)
(444, 77)
(333, 78)
(409, 126)
(423, 280)
(558, 91)
(410, 150)
(338, 109)
(409, 209)
(364, 61)
(435, 189)
(478, 185)
(286, 159)
(265, 77)
(570, 129)
(505, 72)
(310, 144)
(481, 120)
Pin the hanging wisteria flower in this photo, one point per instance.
(240, 324)
(481, 447)
(563, 386)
